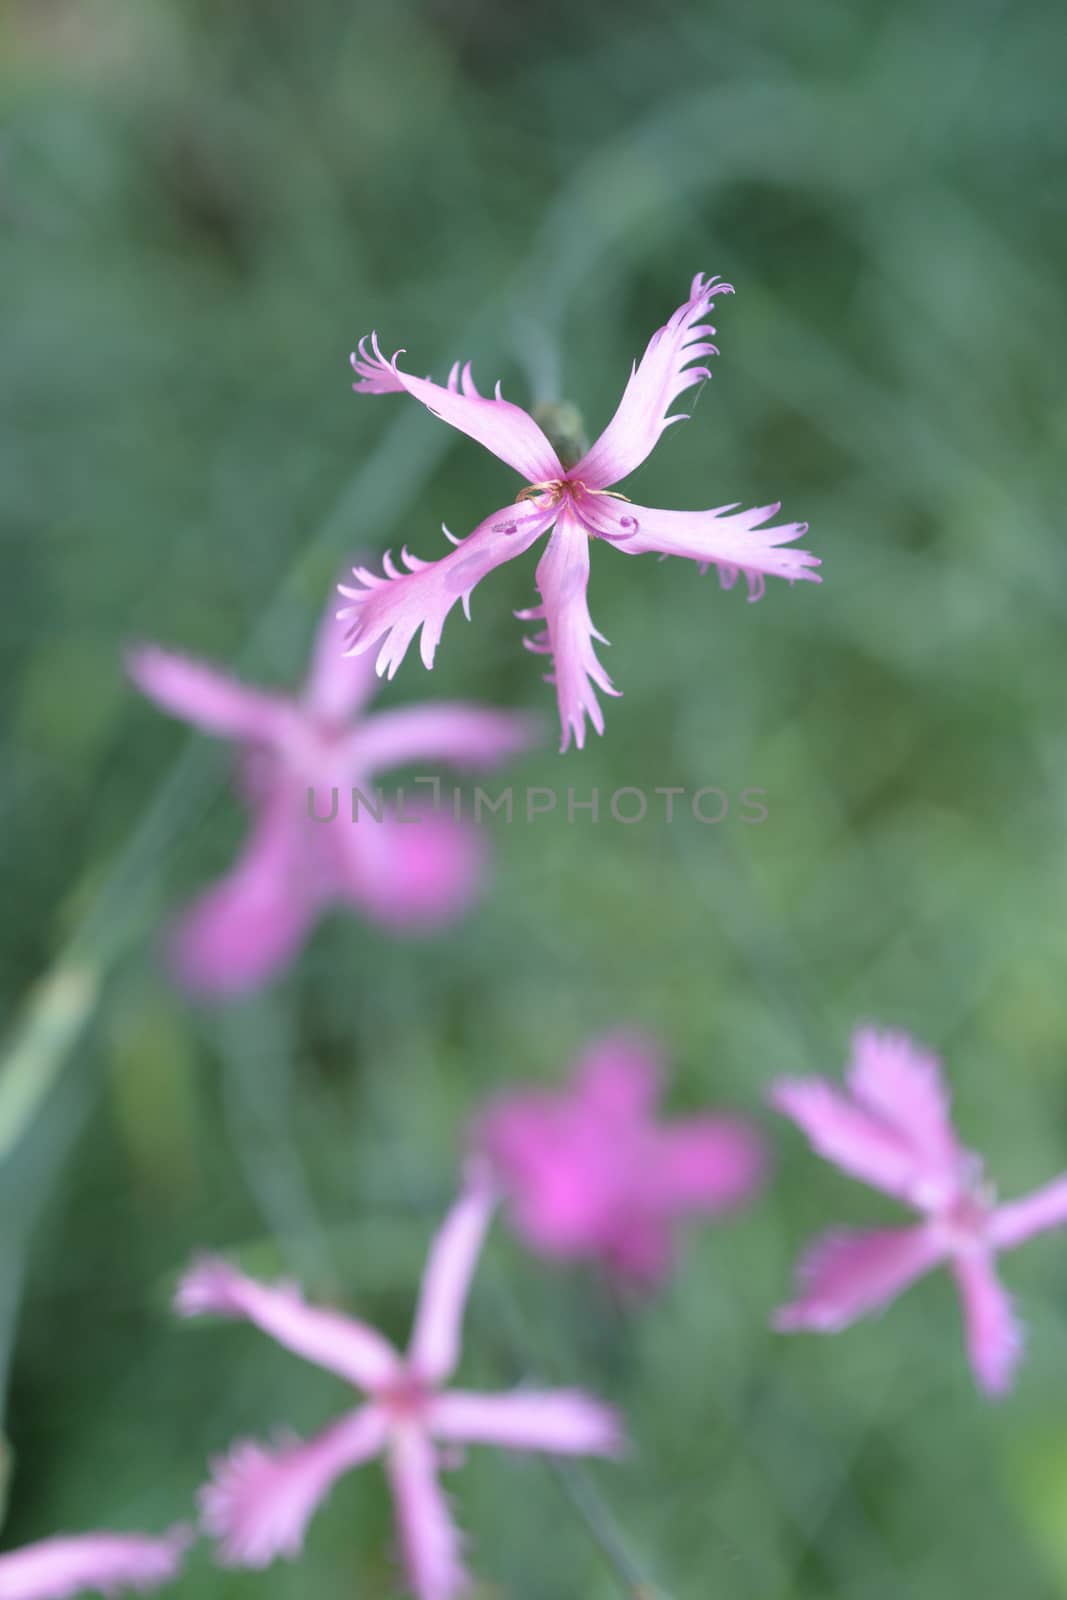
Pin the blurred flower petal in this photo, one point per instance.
(429, 1539)
(994, 1336)
(708, 1163)
(409, 876)
(847, 1274)
(328, 1338)
(1019, 1220)
(260, 1501)
(901, 1083)
(446, 733)
(560, 1421)
(848, 1135)
(436, 1339)
(92, 1563)
(249, 925)
(206, 696)
(338, 684)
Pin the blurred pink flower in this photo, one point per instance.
(92, 1563)
(404, 874)
(261, 1499)
(891, 1129)
(592, 1174)
(576, 499)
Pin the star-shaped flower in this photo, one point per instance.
(592, 1173)
(308, 754)
(92, 1563)
(571, 493)
(261, 1499)
(891, 1128)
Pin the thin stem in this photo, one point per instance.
(256, 1043)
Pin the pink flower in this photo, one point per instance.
(310, 752)
(576, 499)
(97, 1563)
(891, 1128)
(592, 1174)
(261, 1499)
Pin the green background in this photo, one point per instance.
(202, 207)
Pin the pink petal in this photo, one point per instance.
(1019, 1220)
(435, 1342)
(251, 923)
(429, 1539)
(849, 1273)
(619, 1077)
(562, 1421)
(410, 877)
(394, 606)
(994, 1336)
(562, 577)
(901, 1084)
(338, 684)
(665, 371)
(731, 540)
(445, 733)
(207, 697)
(101, 1563)
(571, 1161)
(260, 1501)
(849, 1136)
(561, 1180)
(706, 1164)
(505, 429)
(330, 1339)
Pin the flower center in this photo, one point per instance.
(964, 1218)
(405, 1397)
(582, 502)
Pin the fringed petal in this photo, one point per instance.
(505, 429)
(393, 605)
(672, 363)
(569, 635)
(733, 541)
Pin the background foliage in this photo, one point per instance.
(202, 207)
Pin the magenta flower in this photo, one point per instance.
(576, 498)
(261, 1499)
(591, 1174)
(92, 1563)
(892, 1130)
(309, 752)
